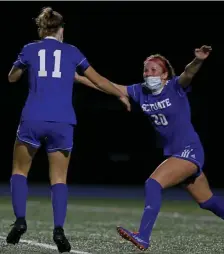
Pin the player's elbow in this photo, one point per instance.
(15, 74)
(188, 74)
(12, 78)
(185, 79)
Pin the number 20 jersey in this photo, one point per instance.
(169, 113)
(51, 68)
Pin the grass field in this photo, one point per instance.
(182, 227)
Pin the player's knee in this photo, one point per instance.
(147, 182)
(152, 182)
(208, 204)
(20, 171)
(20, 166)
(56, 179)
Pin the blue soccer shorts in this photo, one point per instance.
(55, 136)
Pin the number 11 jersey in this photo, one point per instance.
(169, 113)
(51, 68)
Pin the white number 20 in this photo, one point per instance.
(57, 63)
(160, 119)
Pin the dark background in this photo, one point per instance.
(113, 146)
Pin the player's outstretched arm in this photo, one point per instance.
(192, 68)
(85, 81)
(105, 85)
(15, 74)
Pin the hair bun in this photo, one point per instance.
(48, 22)
(48, 12)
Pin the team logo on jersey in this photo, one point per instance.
(151, 107)
(186, 153)
(193, 156)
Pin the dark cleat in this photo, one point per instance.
(60, 240)
(18, 229)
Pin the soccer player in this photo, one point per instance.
(163, 99)
(48, 118)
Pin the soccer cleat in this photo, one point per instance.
(127, 238)
(133, 238)
(19, 228)
(60, 240)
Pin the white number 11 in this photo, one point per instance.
(57, 63)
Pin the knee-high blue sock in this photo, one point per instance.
(19, 192)
(215, 204)
(153, 199)
(59, 203)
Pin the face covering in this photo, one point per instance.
(153, 83)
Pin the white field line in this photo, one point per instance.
(46, 246)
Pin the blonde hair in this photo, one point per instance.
(48, 22)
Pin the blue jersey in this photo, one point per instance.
(51, 68)
(169, 113)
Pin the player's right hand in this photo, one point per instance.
(126, 102)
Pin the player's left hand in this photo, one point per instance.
(203, 52)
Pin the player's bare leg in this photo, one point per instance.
(202, 194)
(58, 165)
(199, 189)
(22, 159)
(171, 172)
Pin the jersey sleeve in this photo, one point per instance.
(81, 61)
(134, 92)
(22, 59)
(175, 83)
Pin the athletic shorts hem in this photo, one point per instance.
(51, 150)
(27, 142)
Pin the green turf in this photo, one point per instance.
(182, 228)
